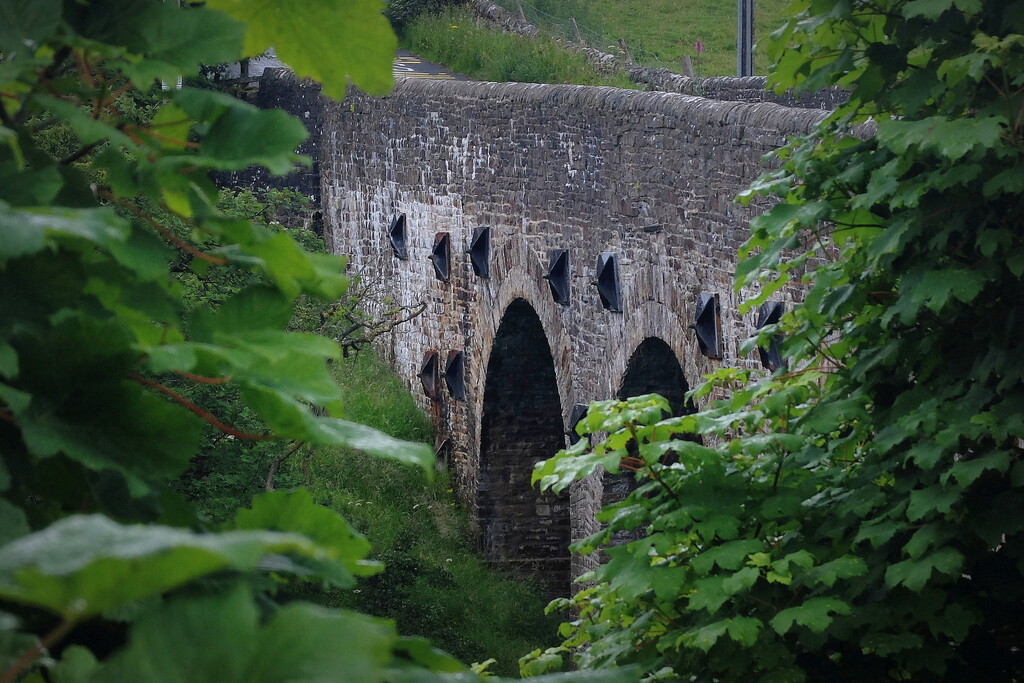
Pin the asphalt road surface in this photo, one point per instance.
(408, 65)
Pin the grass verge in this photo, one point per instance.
(659, 32)
(453, 38)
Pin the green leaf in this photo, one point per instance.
(815, 614)
(929, 9)
(421, 653)
(744, 630)
(242, 137)
(27, 231)
(967, 471)
(709, 594)
(291, 419)
(85, 564)
(331, 41)
(219, 638)
(705, 637)
(13, 522)
(914, 573)
(741, 580)
(77, 665)
(210, 638)
(296, 512)
(251, 310)
(950, 138)
(182, 39)
(153, 442)
(731, 555)
(844, 567)
(25, 25)
(934, 499)
(305, 642)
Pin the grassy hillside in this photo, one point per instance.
(452, 37)
(659, 32)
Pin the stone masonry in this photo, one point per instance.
(647, 176)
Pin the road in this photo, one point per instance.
(408, 65)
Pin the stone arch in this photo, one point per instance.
(653, 368)
(521, 423)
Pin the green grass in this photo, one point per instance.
(433, 585)
(660, 32)
(452, 38)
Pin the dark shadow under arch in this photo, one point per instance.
(652, 369)
(521, 424)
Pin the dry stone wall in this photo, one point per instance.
(746, 89)
(647, 176)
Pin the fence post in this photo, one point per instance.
(687, 65)
(522, 15)
(625, 50)
(576, 30)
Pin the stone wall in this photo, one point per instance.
(746, 89)
(279, 89)
(647, 176)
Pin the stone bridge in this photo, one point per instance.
(564, 240)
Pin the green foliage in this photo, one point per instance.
(106, 345)
(660, 32)
(364, 56)
(401, 13)
(432, 585)
(856, 515)
(453, 38)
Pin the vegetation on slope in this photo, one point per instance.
(660, 32)
(454, 38)
(434, 584)
(657, 33)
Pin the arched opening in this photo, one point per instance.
(521, 424)
(652, 369)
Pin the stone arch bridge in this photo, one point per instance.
(564, 239)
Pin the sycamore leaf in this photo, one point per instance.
(27, 231)
(915, 573)
(219, 638)
(705, 637)
(25, 25)
(13, 522)
(950, 138)
(709, 594)
(929, 9)
(85, 564)
(730, 555)
(330, 41)
(296, 512)
(815, 614)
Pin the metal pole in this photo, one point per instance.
(745, 37)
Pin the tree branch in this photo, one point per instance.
(30, 655)
(196, 410)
